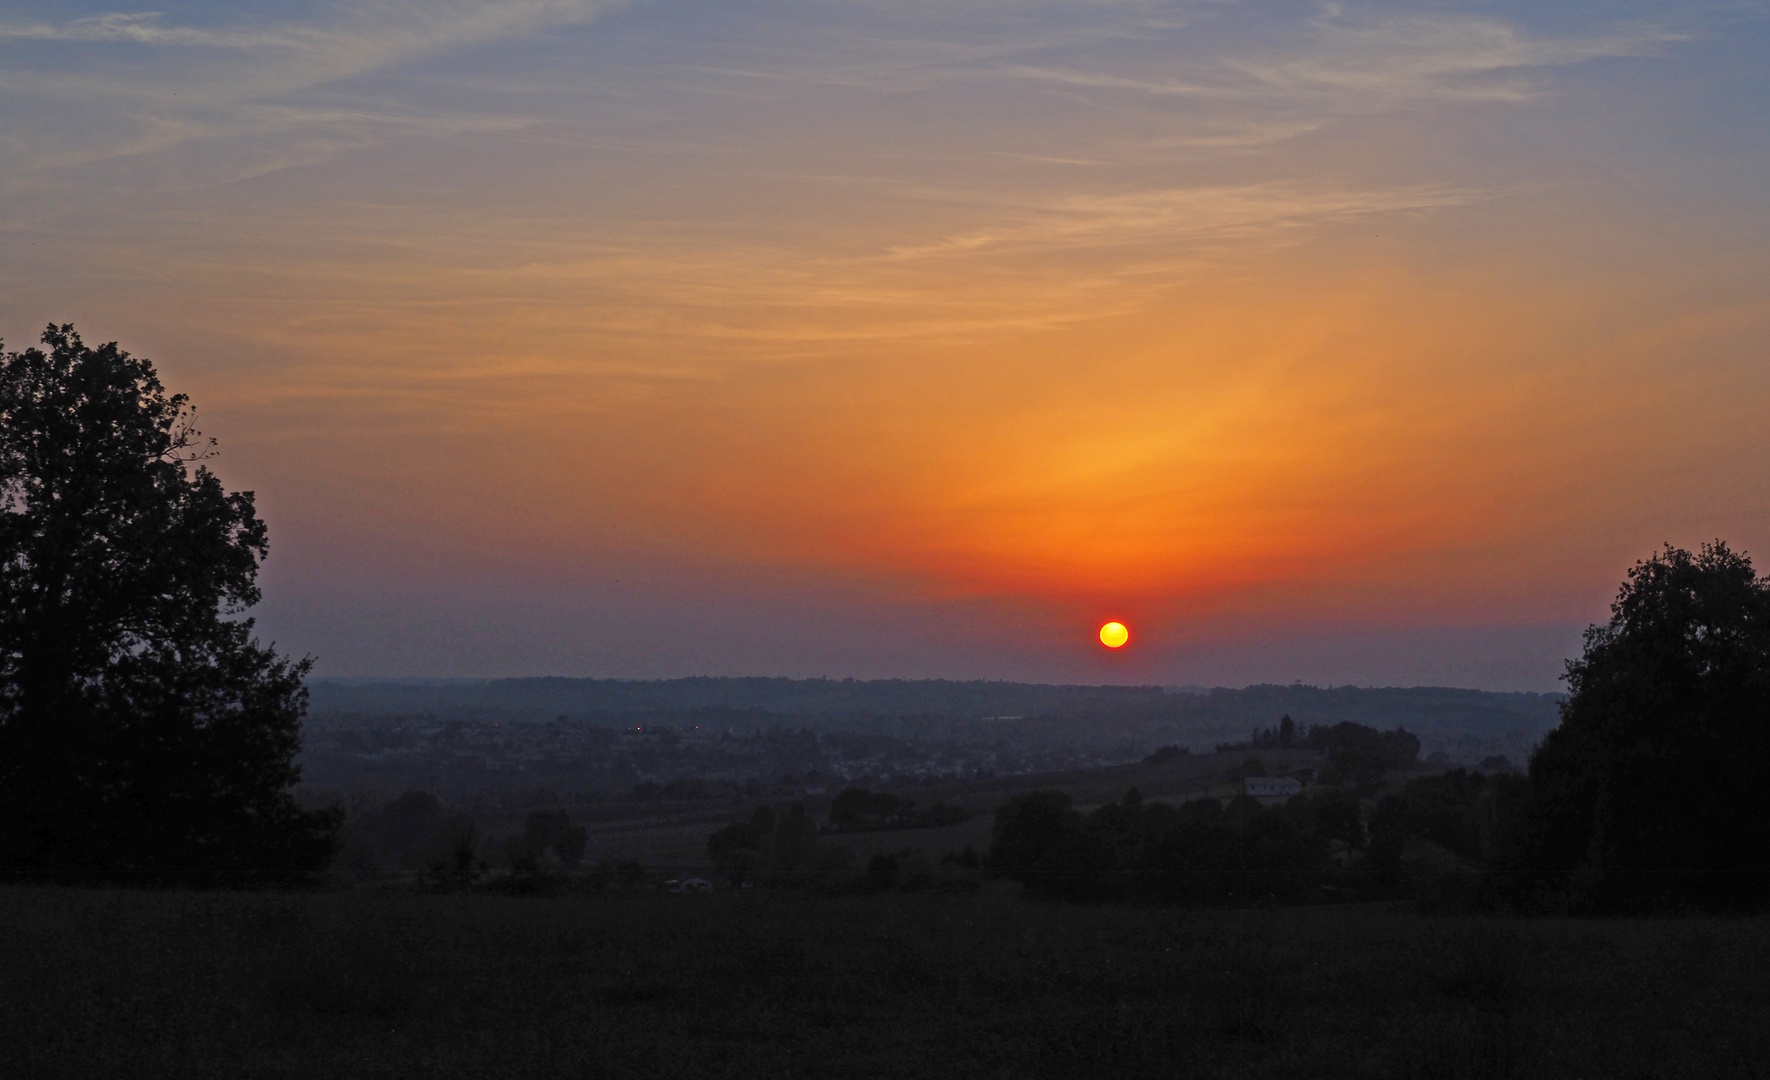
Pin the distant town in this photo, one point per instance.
(750, 738)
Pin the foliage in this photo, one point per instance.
(781, 843)
(142, 727)
(1651, 790)
(411, 832)
(1282, 737)
(1357, 755)
(552, 833)
(857, 809)
(1467, 814)
(1199, 852)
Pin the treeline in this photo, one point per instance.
(857, 809)
(1356, 754)
(741, 702)
(773, 843)
(784, 845)
(1201, 851)
(415, 833)
(937, 710)
(1647, 797)
(1326, 845)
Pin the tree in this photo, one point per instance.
(1359, 755)
(769, 841)
(1028, 828)
(142, 726)
(552, 830)
(1652, 784)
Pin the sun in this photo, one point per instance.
(1114, 635)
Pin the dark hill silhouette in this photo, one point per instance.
(818, 703)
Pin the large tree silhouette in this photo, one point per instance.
(1652, 787)
(142, 727)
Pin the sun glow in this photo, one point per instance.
(1114, 635)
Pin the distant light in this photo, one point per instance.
(1114, 635)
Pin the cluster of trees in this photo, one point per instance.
(784, 845)
(1647, 796)
(1201, 851)
(774, 844)
(857, 809)
(1357, 755)
(415, 832)
(412, 832)
(914, 870)
(548, 837)
(1465, 813)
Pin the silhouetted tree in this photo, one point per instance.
(1652, 784)
(552, 830)
(1198, 852)
(1028, 828)
(770, 841)
(412, 831)
(860, 808)
(795, 833)
(1337, 818)
(142, 727)
(569, 843)
(1359, 755)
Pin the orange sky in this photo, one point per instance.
(1338, 343)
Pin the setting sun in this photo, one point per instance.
(1114, 635)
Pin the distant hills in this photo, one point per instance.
(936, 708)
(547, 698)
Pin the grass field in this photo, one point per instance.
(780, 983)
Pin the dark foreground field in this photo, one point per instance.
(778, 984)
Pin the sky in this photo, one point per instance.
(1336, 342)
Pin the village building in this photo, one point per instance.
(1271, 787)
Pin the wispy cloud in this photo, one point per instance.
(1437, 55)
(147, 28)
(174, 83)
(1226, 211)
(1097, 81)
(346, 40)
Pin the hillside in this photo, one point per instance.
(607, 737)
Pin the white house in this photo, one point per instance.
(1271, 787)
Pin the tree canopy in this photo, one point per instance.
(142, 726)
(1652, 785)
